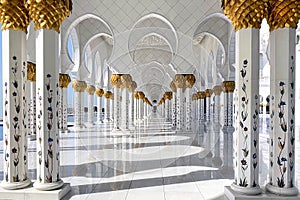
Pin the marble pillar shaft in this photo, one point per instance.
(174, 110)
(247, 104)
(179, 109)
(78, 109)
(117, 109)
(188, 112)
(32, 109)
(90, 108)
(48, 157)
(64, 104)
(99, 109)
(15, 110)
(282, 127)
(125, 109)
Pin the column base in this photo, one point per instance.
(293, 191)
(230, 194)
(246, 191)
(33, 194)
(48, 186)
(15, 185)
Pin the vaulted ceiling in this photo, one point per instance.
(151, 39)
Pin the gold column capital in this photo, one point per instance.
(108, 95)
(168, 95)
(179, 81)
(132, 86)
(208, 92)
(173, 86)
(136, 95)
(228, 86)
(126, 80)
(79, 86)
(201, 95)
(217, 90)
(245, 13)
(190, 80)
(99, 92)
(194, 97)
(90, 89)
(64, 80)
(48, 14)
(141, 95)
(14, 15)
(284, 14)
(115, 80)
(31, 71)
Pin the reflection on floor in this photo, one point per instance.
(152, 162)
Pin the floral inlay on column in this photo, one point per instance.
(244, 115)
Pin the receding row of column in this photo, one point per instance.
(15, 19)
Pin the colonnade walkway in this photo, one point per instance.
(151, 162)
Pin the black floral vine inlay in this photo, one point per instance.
(49, 158)
(15, 119)
(281, 160)
(243, 127)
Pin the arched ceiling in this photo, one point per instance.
(152, 40)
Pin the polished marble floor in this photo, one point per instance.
(150, 162)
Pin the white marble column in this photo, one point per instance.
(64, 80)
(117, 109)
(48, 159)
(180, 83)
(217, 105)
(15, 168)
(136, 107)
(99, 93)
(131, 109)
(91, 91)
(208, 113)
(31, 76)
(79, 87)
(125, 110)
(141, 106)
(65, 109)
(145, 110)
(188, 112)
(228, 129)
(247, 104)
(107, 104)
(179, 109)
(282, 127)
(174, 106)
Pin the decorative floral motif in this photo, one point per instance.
(7, 127)
(50, 116)
(243, 127)
(281, 161)
(255, 138)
